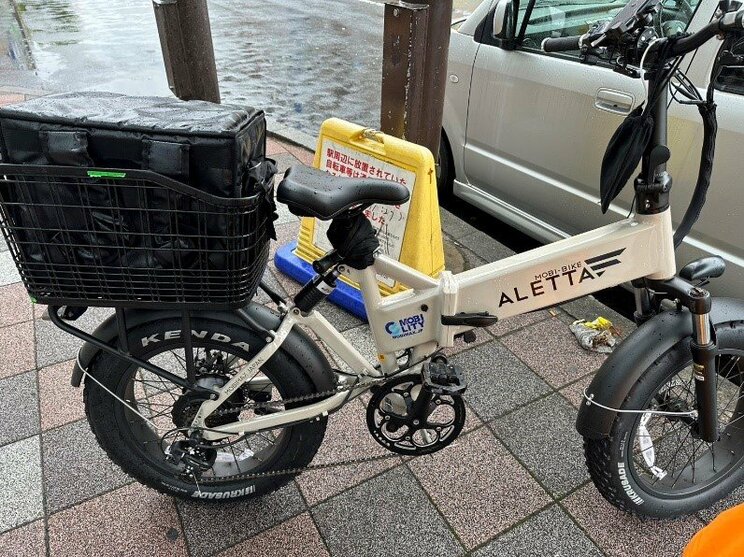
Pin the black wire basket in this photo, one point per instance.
(131, 238)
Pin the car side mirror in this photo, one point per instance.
(503, 20)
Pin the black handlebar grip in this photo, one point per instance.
(732, 21)
(561, 44)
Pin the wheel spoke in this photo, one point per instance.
(165, 406)
(681, 461)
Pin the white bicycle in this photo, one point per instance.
(217, 404)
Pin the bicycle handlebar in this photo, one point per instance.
(561, 44)
(730, 21)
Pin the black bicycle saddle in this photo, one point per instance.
(309, 192)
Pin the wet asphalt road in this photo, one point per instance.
(300, 60)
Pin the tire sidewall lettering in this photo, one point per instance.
(216, 495)
(626, 484)
(175, 334)
(623, 443)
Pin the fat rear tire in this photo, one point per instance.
(106, 415)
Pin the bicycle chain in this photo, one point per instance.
(310, 467)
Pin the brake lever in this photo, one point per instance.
(589, 58)
(728, 59)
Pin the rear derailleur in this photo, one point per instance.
(190, 457)
(419, 414)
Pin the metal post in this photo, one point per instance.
(186, 41)
(437, 54)
(423, 122)
(403, 52)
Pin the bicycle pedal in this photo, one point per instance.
(443, 378)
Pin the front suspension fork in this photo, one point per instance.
(704, 353)
(703, 348)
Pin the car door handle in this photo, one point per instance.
(613, 101)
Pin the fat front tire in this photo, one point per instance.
(653, 465)
(140, 451)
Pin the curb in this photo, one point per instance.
(17, 90)
(25, 33)
(290, 135)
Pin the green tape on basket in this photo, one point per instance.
(105, 174)
(33, 300)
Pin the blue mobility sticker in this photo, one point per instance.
(406, 327)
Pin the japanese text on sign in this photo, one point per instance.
(389, 220)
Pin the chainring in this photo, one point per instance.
(393, 424)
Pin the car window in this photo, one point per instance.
(560, 18)
(731, 80)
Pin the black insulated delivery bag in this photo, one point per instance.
(116, 200)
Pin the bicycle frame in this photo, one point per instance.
(637, 247)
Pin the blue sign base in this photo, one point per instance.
(343, 295)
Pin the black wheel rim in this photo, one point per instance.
(665, 456)
(237, 457)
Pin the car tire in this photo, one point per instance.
(445, 170)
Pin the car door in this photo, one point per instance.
(538, 123)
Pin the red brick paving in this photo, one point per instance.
(59, 402)
(621, 535)
(16, 305)
(274, 147)
(550, 349)
(11, 98)
(298, 537)
(479, 487)
(131, 521)
(346, 438)
(17, 352)
(24, 541)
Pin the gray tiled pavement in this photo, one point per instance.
(549, 532)
(211, 528)
(20, 419)
(542, 436)
(21, 498)
(402, 521)
(513, 484)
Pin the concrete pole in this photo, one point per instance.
(186, 42)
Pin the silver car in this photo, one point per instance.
(525, 131)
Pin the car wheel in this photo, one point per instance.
(445, 170)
